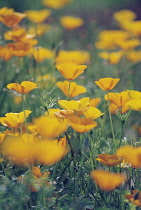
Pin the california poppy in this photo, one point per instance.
(107, 83)
(70, 22)
(38, 16)
(109, 160)
(106, 180)
(70, 71)
(24, 87)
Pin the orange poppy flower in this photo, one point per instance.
(24, 87)
(118, 101)
(131, 154)
(82, 125)
(14, 120)
(56, 4)
(134, 197)
(71, 89)
(21, 49)
(106, 180)
(62, 114)
(109, 160)
(9, 17)
(107, 83)
(71, 23)
(50, 127)
(79, 107)
(70, 71)
(38, 16)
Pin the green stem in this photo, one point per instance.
(23, 103)
(111, 122)
(68, 90)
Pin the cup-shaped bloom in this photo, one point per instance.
(106, 180)
(40, 54)
(56, 4)
(134, 104)
(62, 114)
(24, 87)
(14, 120)
(93, 112)
(82, 125)
(73, 56)
(9, 17)
(134, 197)
(71, 23)
(71, 89)
(50, 127)
(70, 71)
(131, 155)
(79, 107)
(118, 101)
(38, 16)
(107, 83)
(109, 160)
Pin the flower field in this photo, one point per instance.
(70, 128)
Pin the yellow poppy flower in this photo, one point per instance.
(77, 106)
(50, 127)
(40, 54)
(24, 87)
(51, 112)
(71, 23)
(38, 16)
(131, 154)
(107, 83)
(118, 101)
(134, 104)
(27, 149)
(14, 120)
(71, 89)
(9, 17)
(134, 197)
(70, 71)
(82, 125)
(106, 180)
(56, 4)
(93, 112)
(124, 15)
(73, 56)
(128, 44)
(62, 114)
(18, 35)
(133, 27)
(109, 160)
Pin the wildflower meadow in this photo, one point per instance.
(70, 95)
